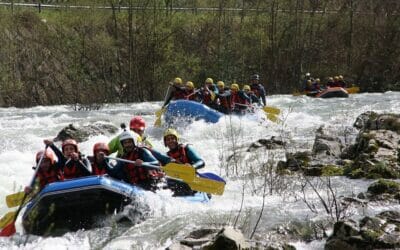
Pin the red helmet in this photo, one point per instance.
(48, 155)
(70, 142)
(137, 122)
(101, 146)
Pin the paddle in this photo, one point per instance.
(14, 200)
(271, 110)
(208, 183)
(161, 111)
(7, 218)
(10, 228)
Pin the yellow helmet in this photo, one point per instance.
(209, 80)
(336, 78)
(341, 77)
(220, 84)
(178, 81)
(246, 87)
(235, 86)
(170, 131)
(190, 85)
(317, 80)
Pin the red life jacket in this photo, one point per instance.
(224, 101)
(179, 154)
(72, 171)
(179, 94)
(236, 99)
(46, 177)
(135, 174)
(190, 94)
(96, 169)
(256, 90)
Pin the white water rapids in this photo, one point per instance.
(22, 132)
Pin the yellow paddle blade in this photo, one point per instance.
(353, 90)
(7, 218)
(207, 185)
(180, 171)
(272, 117)
(158, 114)
(271, 110)
(14, 200)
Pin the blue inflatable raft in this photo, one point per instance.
(184, 109)
(80, 203)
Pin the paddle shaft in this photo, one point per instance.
(132, 162)
(32, 183)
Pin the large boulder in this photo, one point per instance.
(381, 231)
(82, 133)
(375, 153)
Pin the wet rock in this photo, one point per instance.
(381, 231)
(228, 238)
(272, 143)
(384, 190)
(326, 146)
(82, 133)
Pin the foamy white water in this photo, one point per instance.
(23, 130)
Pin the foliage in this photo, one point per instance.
(130, 51)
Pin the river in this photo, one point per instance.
(22, 132)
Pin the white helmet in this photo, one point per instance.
(129, 135)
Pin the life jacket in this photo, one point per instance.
(224, 100)
(135, 174)
(46, 177)
(96, 168)
(237, 100)
(190, 94)
(255, 88)
(179, 154)
(179, 94)
(71, 171)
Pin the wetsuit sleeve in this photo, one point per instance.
(194, 158)
(148, 158)
(85, 166)
(162, 158)
(60, 156)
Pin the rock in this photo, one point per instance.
(384, 186)
(82, 133)
(272, 143)
(381, 231)
(177, 246)
(228, 238)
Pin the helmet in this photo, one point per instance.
(170, 131)
(341, 77)
(129, 135)
(70, 142)
(220, 84)
(178, 81)
(190, 85)
(101, 146)
(235, 86)
(255, 77)
(309, 82)
(336, 78)
(137, 122)
(246, 87)
(308, 74)
(317, 80)
(330, 79)
(209, 80)
(48, 155)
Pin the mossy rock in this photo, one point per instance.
(381, 170)
(332, 170)
(383, 186)
(371, 235)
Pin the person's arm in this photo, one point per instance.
(117, 171)
(262, 94)
(162, 158)
(148, 158)
(60, 156)
(194, 158)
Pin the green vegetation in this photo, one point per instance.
(70, 55)
(384, 186)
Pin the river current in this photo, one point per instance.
(22, 132)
